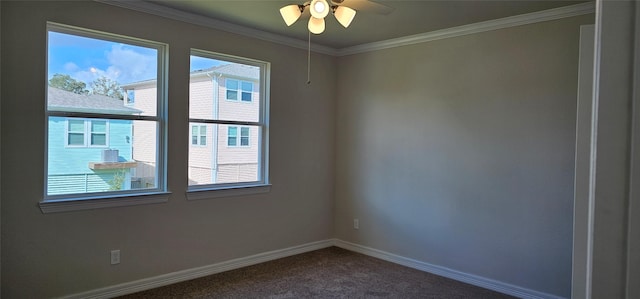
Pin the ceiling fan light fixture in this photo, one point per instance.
(316, 25)
(291, 13)
(344, 15)
(319, 8)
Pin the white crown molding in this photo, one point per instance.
(476, 280)
(519, 20)
(513, 21)
(170, 13)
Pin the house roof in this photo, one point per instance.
(236, 70)
(62, 100)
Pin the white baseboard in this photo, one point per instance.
(188, 274)
(184, 275)
(483, 282)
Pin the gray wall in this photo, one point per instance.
(64, 253)
(460, 152)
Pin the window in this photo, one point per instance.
(232, 136)
(199, 135)
(83, 133)
(237, 155)
(244, 136)
(130, 96)
(245, 90)
(76, 133)
(101, 143)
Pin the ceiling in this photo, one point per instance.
(406, 17)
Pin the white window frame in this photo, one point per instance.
(238, 91)
(87, 133)
(239, 136)
(199, 136)
(262, 185)
(159, 194)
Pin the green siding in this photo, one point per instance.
(68, 166)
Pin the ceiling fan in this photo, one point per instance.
(343, 10)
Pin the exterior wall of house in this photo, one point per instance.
(236, 109)
(235, 163)
(238, 163)
(201, 90)
(145, 137)
(200, 166)
(68, 170)
(145, 153)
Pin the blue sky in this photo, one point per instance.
(86, 59)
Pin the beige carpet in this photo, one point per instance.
(327, 273)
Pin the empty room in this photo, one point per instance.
(489, 144)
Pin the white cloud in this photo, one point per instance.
(70, 67)
(124, 66)
(130, 66)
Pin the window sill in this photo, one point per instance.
(197, 194)
(98, 202)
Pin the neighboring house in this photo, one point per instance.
(88, 155)
(218, 153)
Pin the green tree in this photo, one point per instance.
(106, 87)
(65, 82)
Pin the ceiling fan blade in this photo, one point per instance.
(367, 6)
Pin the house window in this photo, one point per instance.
(83, 133)
(238, 154)
(130, 96)
(244, 136)
(100, 143)
(76, 133)
(236, 87)
(199, 135)
(232, 136)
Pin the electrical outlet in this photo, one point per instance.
(356, 223)
(115, 257)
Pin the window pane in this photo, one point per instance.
(98, 139)
(76, 125)
(244, 136)
(91, 169)
(211, 86)
(244, 131)
(233, 131)
(247, 86)
(232, 94)
(222, 163)
(91, 75)
(232, 84)
(203, 135)
(246, 97)
(76, 139)
(98, 126)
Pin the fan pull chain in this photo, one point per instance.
(309, 60)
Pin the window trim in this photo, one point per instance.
(71, 202)
(238, 91)
(239, 136)
(199, 135)
(205, 191)
(86, 132)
